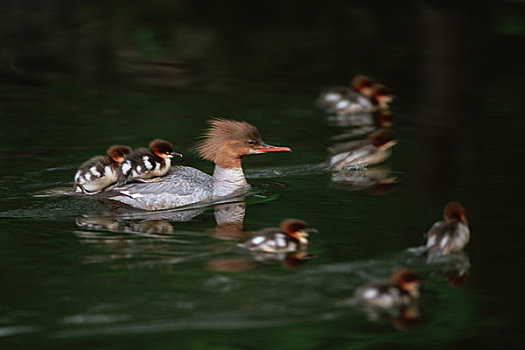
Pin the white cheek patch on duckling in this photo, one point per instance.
(77, 176)
(126, 167)
(94, 171)
(147, 163)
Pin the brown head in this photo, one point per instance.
(381, 96)
(363, 85)
(117, 153)
(297, 229)
(382, 139)
(227, 141)
(407, 280)
(162, 148)
(454, 210)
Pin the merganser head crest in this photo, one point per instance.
(118, 152)
(454, 210)
(227, 141)
(293, 225)
(159, 146)
(363, 85)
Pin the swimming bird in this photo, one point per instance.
(225, 143)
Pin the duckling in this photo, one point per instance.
(450, 235)
(143, 164)
(101, 171)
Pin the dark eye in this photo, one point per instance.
(252, 142)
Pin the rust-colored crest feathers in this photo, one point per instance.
(116, 152)
(292, 225)
(454, 210)
(221, 133)
(362, 81)
(161, 146)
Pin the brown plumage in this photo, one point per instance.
(403, 277)
(227, 141)
(161, 147)
(363, 85)
(291, 227)
(454, 210)
(117, 153)
(380, 137)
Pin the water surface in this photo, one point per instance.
(87, 274)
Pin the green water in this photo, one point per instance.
(158, 283)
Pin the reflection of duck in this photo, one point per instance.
(100, 172)
(456, 269)
(363, 153)
(225, 144)
(376, 179)
(393, 300)
(449, 235)
(229, 218)
(144, 163)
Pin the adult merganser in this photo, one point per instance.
(142, 163)
(225, 143)
(363, 153)
(449, 235)
(291, 236)
(101, 171)
(400, 291)
(360, 86)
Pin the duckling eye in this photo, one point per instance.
(252, 142)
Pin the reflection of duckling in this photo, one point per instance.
(375, 179)
(144, 163)
(449, 235)
(364, 153)
(110, 223)
(99, 172)
(290, 237)
(392, 301)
